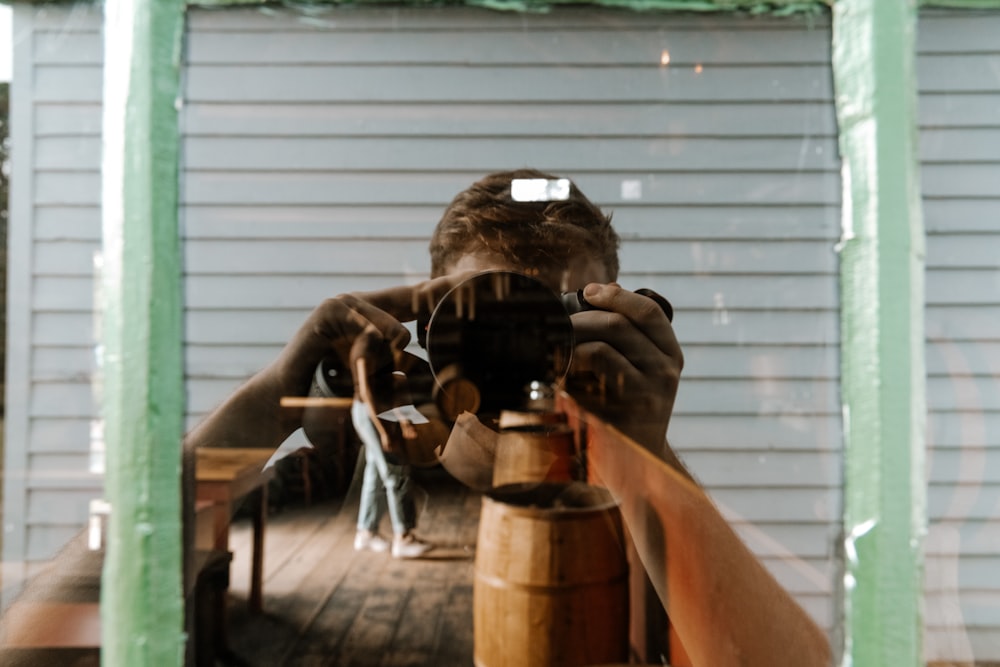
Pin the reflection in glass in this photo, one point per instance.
(319, 150)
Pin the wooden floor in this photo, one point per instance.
(325, 604)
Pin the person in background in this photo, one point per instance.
(380, 419)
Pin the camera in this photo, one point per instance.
(498, 337)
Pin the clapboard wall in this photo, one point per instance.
(959, 85)
(54, 233)
(320, 150)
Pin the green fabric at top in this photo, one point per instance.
(774, 7)
(777, 7)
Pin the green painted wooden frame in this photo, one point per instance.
(142, 601)
(882, 324)
(882, 332)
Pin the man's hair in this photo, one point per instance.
(486, 218)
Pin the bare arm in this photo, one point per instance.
(726, 607)
(252, 415)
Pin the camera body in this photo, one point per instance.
(496, 341)
(498, 338)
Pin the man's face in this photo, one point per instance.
(575, 275)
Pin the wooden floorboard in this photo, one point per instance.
(325, 604)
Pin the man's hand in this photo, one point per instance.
(337, 323)
(627, 363)
(252, 415)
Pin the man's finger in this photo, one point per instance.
(642, 311)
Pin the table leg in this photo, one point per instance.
(220, 525)
(257, 566)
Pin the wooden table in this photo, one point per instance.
(223, 475)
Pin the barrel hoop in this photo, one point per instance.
(497, 582)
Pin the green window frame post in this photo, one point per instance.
(882, 332)
(142, 603)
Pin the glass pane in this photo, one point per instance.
(320, 150)
(959, 90)
(53, 508)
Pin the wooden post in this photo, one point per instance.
(142, 606)
(882, 332)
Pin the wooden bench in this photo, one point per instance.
(57, 619)
(223, 476)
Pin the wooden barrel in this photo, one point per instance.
(551, 578)
(535, 453)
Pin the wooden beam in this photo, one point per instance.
(142, 604)
(882, 333)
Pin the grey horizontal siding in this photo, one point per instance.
(426, 187)
(518, 119)
(956, 540)
(68, 223)
(959, 285)
(960, 164)
(68, 188)
(56, 144)
(313, 147)
(514, 45)
(52, 120)
(976, 499)
(69, 83)
(490, 83)
(959, 145)
(958, 215)
(60, 436)
(976, 179)
(956, 72)
(945, 109)
(410, 153)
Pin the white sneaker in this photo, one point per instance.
(409, 545)
(366, 539)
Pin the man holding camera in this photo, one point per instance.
(725, 607)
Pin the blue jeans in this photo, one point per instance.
(381, 479)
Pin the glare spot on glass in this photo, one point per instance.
(539, 189)
(631, 190)
(664, 57)
(698, 68)
(100, 510)
(720, 315)
(97, 448)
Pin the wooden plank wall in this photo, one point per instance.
(55, 231)
(958, 65)
(319, 151)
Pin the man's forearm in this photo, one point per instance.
(726, 607)
(250, 417)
